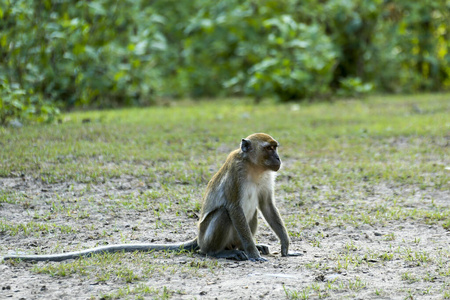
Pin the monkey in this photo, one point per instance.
(229, 215)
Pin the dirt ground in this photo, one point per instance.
(350, 261)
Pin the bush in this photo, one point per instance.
(248, 49)
(106, 53)
(92, 53)
(297, 62)
(18, 105)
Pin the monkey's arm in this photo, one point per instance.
(272, 216)
(240, 223)
(190, 245)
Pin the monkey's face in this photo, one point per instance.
(271, 158)
(261, 150)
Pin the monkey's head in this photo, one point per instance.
(261, 150)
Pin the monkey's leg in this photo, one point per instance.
(216, 233)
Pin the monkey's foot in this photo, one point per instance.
(257, 259)
(264, 249)
(232, 254)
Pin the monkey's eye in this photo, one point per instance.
(271, 148)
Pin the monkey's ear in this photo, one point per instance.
(245, 145)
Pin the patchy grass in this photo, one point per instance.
(364, 191)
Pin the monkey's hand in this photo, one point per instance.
(255, 256)
(285, 251)
(292, 253)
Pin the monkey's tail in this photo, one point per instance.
(187, 246)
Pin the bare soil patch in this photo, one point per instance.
(395, 259)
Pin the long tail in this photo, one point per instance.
(189, 246)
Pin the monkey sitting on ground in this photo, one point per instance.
(229, 213)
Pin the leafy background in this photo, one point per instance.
(106, 53)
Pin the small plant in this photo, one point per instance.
(387, 256)
(446, 295)
(356, 284)
(389, 237)
(409, 277)
(294, 294)
(350, 246)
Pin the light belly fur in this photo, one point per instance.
(250, 200)
(252, 190)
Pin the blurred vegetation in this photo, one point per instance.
(106, 53)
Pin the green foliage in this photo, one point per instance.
(416, 42)
(106, 53)
(15, 103)
(96, 53)
(353, 86)
(295, 63)
(257, 49)
(352, 24)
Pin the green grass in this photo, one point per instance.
(138, 174)
(32, 228)
(174, 141)
(119, 266)
(325, 290)
(141, 291)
